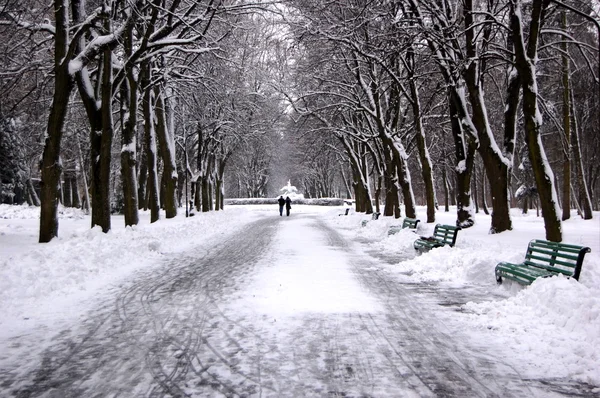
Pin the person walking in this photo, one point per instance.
(288, 205)
(281, 202)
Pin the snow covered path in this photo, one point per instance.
(286, 307)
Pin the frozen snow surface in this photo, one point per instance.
(554, 323)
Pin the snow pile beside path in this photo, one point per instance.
(25, 212)
(451, 265)
(86, 258)
(555, 319)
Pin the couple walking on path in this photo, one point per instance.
(288, 205)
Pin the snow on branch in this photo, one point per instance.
(93, 48)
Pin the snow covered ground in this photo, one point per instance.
(555, 320)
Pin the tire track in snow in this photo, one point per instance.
(174, 333)
(148, 342)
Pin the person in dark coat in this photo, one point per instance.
(281, 202)
(288, 205)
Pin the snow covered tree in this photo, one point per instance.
(526, 55)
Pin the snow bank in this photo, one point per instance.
(555, 320)
(82, 258)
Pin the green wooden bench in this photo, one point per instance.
(442, 235)
(544, 259)
(410, 223)
(374, 216)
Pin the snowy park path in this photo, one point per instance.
(286, 307)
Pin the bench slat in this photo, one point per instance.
(565, 247)
(553, 254)
(518, 270)
(549, 268)
(552, 261)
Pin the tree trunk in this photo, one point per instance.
(129, 110)
(475, 183)
(211, 194)
(86, 190)
(425, 160)
(378, 193)
(392, 202)
(51, 164)
(102, 199)
(566, 108)
(405, 183)
(465, 153)
(205, 194)
(525, 63)
(483, 193)
(143, 178)
(197, 193)
(150, 142)
(67, 193)
(582, 187)
(358, 165)
(446, 189)
(34, 200)
(75, 198)
(498, 166)
(167, 146)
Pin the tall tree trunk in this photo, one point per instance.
(465, 153)
(75, 198)
(358, 165)
(103, 190)
(582, 187)
(392, 200)
(498, 166)
(150, 143)
(347, 188)
(566, 108)
(129, 110)
(445, 181)
(33, 199)
(143, 178)
(211, 194)
(205, 194)
(86, 190)
(167, 149)
(92, 102)
(483, 193)
(66, 187)
(425, 160)
(378, 193)
(525, 63)
(197, 193)
(405, 183)
(475, 183)
(51, 164)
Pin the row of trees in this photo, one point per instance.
(397, 81)
(185, 85)
(397, 102)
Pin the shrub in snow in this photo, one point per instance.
(273, 201)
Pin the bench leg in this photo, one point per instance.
(498, 278)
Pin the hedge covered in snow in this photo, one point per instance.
(273, 201)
